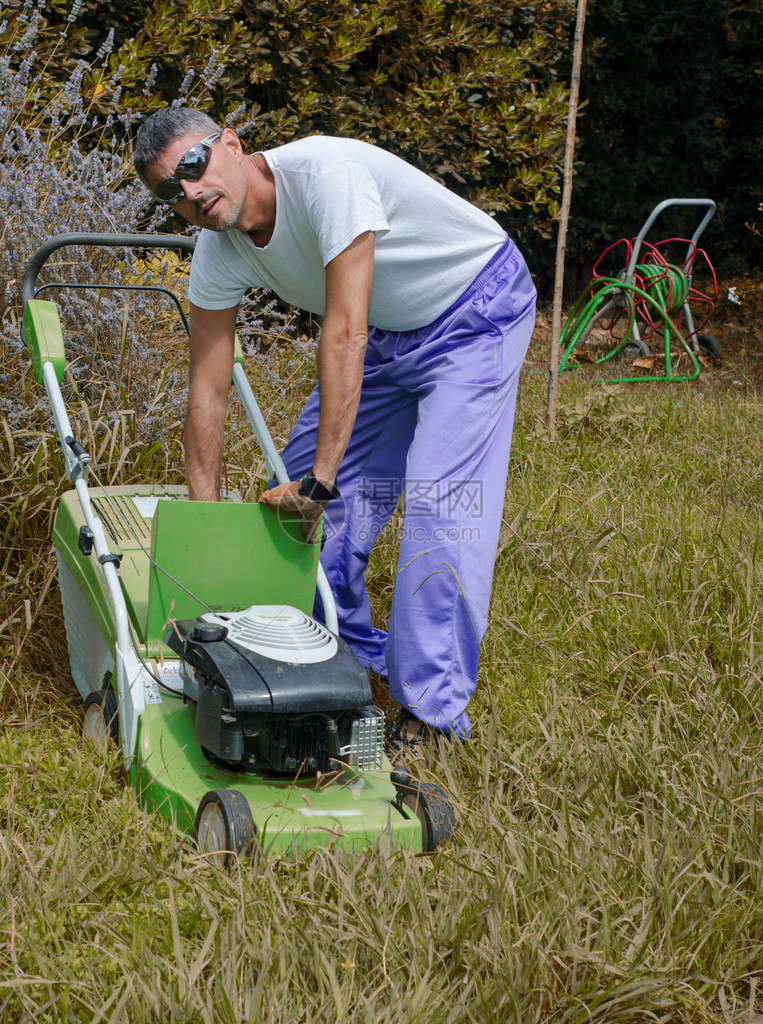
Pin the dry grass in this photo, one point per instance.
(608, 860)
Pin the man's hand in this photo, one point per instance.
(286, 498)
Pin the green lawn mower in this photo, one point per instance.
(240, 717)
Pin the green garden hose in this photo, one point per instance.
(668, 291)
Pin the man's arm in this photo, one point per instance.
(341, 350)
(211, 371)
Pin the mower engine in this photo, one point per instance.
(276, 692)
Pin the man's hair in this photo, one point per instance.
(165, 127)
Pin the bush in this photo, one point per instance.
(462, 90)
(62, 169)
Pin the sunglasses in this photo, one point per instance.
(191, 168)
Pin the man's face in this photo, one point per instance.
(216, 199)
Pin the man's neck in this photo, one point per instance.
(263, 185)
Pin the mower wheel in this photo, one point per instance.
(709, 346)
(429, 802)
(224, 826)
(100, 722)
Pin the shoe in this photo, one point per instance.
(409, 740)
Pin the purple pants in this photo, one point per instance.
(435, 421)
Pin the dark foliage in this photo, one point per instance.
(673, 107)
(472, 93)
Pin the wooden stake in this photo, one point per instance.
(561, 241)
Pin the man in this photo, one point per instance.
(427, 312)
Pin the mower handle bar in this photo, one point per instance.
(98, 238)
(272, 457)
(653, 217)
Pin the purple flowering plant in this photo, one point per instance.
(65, 167)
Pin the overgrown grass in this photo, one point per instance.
(607, 865)
(608, 859)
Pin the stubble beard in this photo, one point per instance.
(222, 221)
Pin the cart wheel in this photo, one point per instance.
(224, 826)
(100, 722)
(708, 345)
(429, 802)
(633, 350)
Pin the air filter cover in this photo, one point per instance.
(278, 632)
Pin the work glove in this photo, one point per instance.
(286, 498)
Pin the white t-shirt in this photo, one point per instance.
(430, 243)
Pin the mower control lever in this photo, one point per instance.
(85, 541)
(82, 457)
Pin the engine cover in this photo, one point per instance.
(275, 691)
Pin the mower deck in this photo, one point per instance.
(172, 774)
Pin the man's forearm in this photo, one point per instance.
(341, 351)
(211, 369)
(203, 442)
(340, 376)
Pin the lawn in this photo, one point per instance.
(608, 858)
